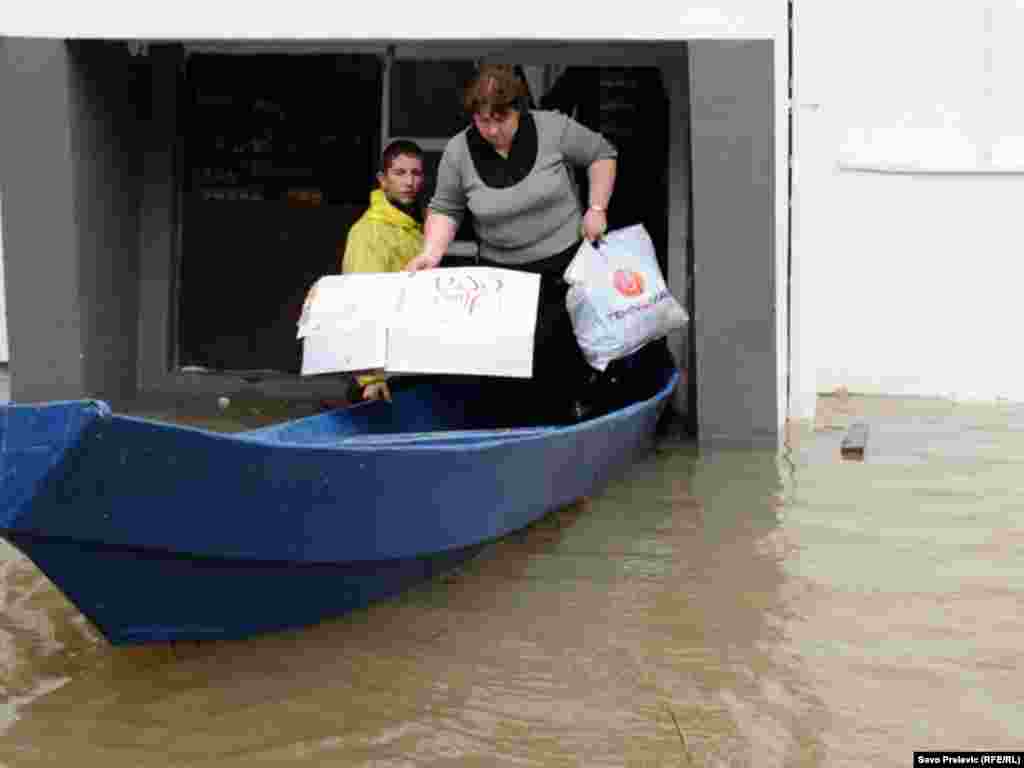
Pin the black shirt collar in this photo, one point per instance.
(499, 172)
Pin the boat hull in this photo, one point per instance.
(160, 532)
(143, 596)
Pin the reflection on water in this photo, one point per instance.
(737, 608)
(40, 635)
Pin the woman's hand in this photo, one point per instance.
(438, 233)
(595, 224)
(310, 298)
(377, 391)
(424, 261)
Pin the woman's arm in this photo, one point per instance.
(602, 182)
(587, 148)
(438, 233)
(444, 215)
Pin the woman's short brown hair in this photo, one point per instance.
(496, 87)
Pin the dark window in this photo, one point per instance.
(426, 98)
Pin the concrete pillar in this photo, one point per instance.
(3, 292)
(733, 228)
(675, 77)
(69, 185)
(40, 237)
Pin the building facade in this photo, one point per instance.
(139, 259)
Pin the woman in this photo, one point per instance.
(509, 168)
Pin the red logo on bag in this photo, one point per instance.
(628, 283)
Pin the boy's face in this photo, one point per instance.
(403, 181)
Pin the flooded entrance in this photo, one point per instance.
(736, 608)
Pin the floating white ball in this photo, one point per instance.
(223, 402)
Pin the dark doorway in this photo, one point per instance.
(279, 159)
(629, 106)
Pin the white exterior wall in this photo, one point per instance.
(404, 20)
(909, 136)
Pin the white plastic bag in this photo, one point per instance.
(618, 300)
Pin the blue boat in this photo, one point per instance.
(161, 532)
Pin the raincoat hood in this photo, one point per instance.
(383, 210)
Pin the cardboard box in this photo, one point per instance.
(460, 320)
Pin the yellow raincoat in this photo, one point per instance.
(384, 239)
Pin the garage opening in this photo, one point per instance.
(278, 155)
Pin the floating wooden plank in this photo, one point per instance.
(853, 444)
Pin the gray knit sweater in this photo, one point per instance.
(536, 218)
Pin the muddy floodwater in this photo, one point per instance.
(726, 608)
